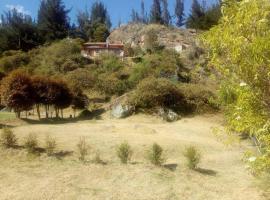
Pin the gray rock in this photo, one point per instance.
(168, 115)
(121, 111)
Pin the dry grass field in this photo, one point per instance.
(222, 174)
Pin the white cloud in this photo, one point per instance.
(19, 8)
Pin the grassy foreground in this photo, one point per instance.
(221, 175)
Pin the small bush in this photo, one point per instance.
(124, 152)
(83, 149)
(85, 114)
(155, 155)
(157, 92)
(193, 157)
(31, 143)
(8, 138)
(97, 159)
(50, 145)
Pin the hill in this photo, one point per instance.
(170, 37)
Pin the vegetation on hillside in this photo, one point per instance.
(239, 49)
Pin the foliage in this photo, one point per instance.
(18, 32)
(241, 55)
(82, 78)
(85, 114)
(158, 92)
(50, 145)
(8, 138)
(83, 149)
(53, 21)
(124, 152)
(166, 17)
(155, 155)
(155, 13)
(31, 143)
(180, 13)
(17, 92)
(193, 157)
(12, 60)
(202, 17)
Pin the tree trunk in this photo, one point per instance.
(46, 110)
(62, 113)
(38, 111)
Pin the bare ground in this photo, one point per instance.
(222, 174)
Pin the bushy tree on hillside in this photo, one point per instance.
(17, 92)
(156, 12)
(179, 13)
(240, 48)
(18, 32)
(53, 21)
(99, 14)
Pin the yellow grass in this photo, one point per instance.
(222, 175)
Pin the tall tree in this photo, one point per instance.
(53, 21)
(143, 13)
(179, 13)
(156, 13)
(99, 14)
(135, 17)
(196, 17)
(84, 25)
(203, 17)
(166, 17)
(17, 31)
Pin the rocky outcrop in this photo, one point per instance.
(168, 115)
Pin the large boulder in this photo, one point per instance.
(121, 111)
(168, 115)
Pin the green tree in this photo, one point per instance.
(53, 21)
(166, 17)
(100, 15)
(156, 13)
(18, 31)
(179, 13)
(100, 33)
(239, 47)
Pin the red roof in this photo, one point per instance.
(102, 45)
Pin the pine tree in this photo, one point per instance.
(18, 31)
(135, 17)
(155, 13)
(143, 13)
(166, 17)
(99, 14)
(196, 17)
(53, 21)
(179, 13)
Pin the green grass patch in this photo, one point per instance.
(7, 115)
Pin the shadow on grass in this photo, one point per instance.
(6, 126)
(171, 167)
(208, 172)
(96, 114)
(62, 154)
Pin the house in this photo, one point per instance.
(93, 50)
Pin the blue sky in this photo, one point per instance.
(118, 9)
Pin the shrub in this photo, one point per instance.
(155, 155)
(98, 159)
(124, 152)
(157, 92)
(193, 157)
(83, 149)
(31, 143)
(8, 138)
(85, 114)
(50, 145)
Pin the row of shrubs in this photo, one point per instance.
(124, 151)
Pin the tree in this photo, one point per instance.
(101, 33)
(18, 31)
(84, 25)
(100, 15)
(151, 41)
(135, 17)
(203, 17)
(179, 13)
(53, 21)
(166, 17)
(239, 48)
(196, 18)
(17, 92)
(143, 13)
(155, 13)
(79, 100)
